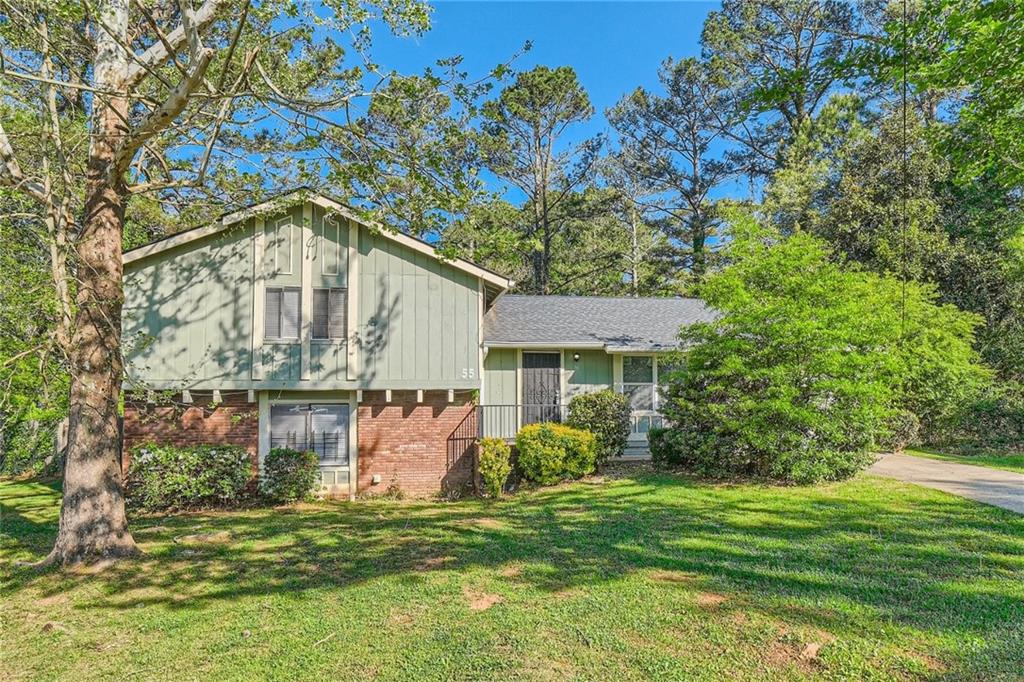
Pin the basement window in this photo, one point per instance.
(320, 428)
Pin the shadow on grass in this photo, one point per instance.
(934, 563)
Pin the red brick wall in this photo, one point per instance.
(234, 421)
(407, 444)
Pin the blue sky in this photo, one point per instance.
(613, 46)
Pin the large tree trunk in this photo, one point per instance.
(92, 516)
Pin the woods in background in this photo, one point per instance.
(794, 112)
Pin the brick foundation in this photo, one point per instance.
(404, 442)
(234, 421)
(407, 443)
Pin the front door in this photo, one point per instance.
(542, 384)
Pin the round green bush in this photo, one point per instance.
(606, 415)
(495, 464)
(289, 475)
(168, 477)
(549, 453)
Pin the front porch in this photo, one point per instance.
(523, 386)
(504, 421)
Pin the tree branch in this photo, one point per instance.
(162, 50)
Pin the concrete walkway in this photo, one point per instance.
(991, 486)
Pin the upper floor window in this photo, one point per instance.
(282, 310)
(329, 313)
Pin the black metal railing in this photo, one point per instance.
(331, 448)
(504, 421)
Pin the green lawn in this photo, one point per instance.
(992, 460)
(650, 577)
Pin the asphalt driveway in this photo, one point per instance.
(991, 486)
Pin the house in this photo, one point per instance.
(293, 323)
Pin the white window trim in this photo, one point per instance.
(328, 340)
(278, 233)
(324, 243)
(655, 386)
(281, 339)
(263, 446)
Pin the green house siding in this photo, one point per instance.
(188, 317)
(500, 377)
(418, 318)
(188, 311)
(592, 372)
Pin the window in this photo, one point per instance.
(320, 428)
(329, 313)
(638, 381)
(281, 313)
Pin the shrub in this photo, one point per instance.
(664, 449)
(801, 371)
(289, 475)
(902, 431)
(606, 415)
(549, 453)
(168, 477)
(993, 420)
(495, 464)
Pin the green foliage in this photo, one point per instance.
(549, 453)
(994, 420)
(169, 477)
(666, 150)
(806, 364)
(606, 415)
(289, 475)
(495, 464)
(520, 143)
(665, 451)
(902, 430)
(969, 54)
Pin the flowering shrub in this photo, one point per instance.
(169, 477)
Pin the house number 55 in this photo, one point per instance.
(468, 373)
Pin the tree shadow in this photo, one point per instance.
(937, 564)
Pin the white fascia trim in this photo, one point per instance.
(327, 204)
(413, 243)
(546, 346)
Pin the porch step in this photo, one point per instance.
(634, 453)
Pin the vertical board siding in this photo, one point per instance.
(188, 311)
(500, 377)
(593, 371)
(330, 257)
(418, 318)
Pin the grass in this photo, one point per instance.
(1005, 461)
(648, 577)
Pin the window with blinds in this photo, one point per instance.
(282, 310)
(330, 316)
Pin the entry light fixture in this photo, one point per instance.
(576, 357)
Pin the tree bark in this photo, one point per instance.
(93, 524)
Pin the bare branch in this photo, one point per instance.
(163, 50)
(158, 119)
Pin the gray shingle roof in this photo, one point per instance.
(613, 323)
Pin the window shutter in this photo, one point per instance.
(290, 313)
(338, 317)
(320, 313)
(272, 314)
